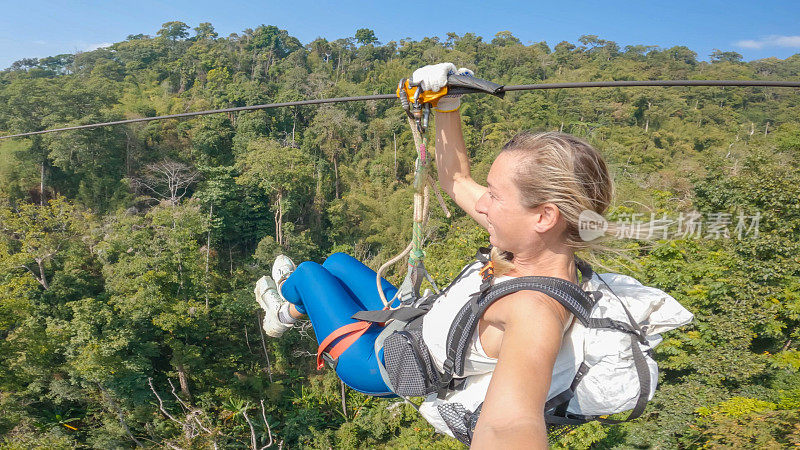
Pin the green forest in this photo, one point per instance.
(128, 254)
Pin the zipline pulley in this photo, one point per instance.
(416, 102)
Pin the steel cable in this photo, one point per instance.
(521, 87)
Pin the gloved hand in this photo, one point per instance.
(434, 77)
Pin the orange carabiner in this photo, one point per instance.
(416, 95)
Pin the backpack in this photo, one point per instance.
(605, 364)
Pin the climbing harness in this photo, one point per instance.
(403, 334)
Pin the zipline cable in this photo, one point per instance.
(521, 87)
(664, 83)
(211, 111)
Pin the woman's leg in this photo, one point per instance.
(359, 280)
(316, 292)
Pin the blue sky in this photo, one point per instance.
(38, 28)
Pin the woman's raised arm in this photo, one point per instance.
(452, 163)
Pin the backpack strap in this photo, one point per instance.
(643, 372)
(554, 409)
(404, 314)
(584, 268)
(560, 416)
(568, 294)
(637, 336)
(558, 404)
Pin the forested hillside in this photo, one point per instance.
(128, 254)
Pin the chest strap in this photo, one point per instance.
(568, 294)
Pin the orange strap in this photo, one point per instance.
(487, 272)
(349, 334)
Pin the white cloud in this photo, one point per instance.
(771, 41)
(91, 47)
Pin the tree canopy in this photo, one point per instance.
(129, 253)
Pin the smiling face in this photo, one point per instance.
(510, 223)
(539, 185)
(512, 226)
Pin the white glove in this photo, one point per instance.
(434, 77)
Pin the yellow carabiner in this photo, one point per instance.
(414, 94)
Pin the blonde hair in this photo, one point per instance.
(564, 170)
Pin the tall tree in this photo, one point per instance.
(365, 36)
(335, 133)
(174, 31)
(284, 173)
(205, 31)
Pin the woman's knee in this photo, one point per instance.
(292, 290)
(307, 268)
(339, 259)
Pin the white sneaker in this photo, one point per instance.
(281, 269)
(270, 301)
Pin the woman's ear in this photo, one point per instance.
(549, 216)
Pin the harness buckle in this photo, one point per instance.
(448, 366)
(487, 272)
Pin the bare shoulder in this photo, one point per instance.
(529, 307)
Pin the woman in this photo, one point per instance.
(537, 187)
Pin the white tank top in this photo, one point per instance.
(436, 323)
